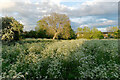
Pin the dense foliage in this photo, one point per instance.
(11, 29)
(63, 59)
(88, 33)
(30, 34)
(56, 26)
(114, 32)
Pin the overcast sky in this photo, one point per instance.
(91, 13)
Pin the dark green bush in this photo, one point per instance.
(11, 29)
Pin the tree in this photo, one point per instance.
(117, 34)
(42, 32)
(88, 33)
(67, 33)
(30, 34)
(56, 25)
(79, 32)
(112, 29)
(112, 32)
(11, 29)
(84, 32)
(96, 34)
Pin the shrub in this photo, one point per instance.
(65, 59)
(11, 29)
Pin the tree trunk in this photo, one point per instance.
(55, 35)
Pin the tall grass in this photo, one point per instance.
(64, 59)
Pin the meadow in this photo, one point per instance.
(61, 59)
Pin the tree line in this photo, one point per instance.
(54, 26)
(94, 33)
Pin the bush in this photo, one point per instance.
(11, 29)
(65, 59)
(102, 59)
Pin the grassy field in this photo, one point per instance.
(61, 59)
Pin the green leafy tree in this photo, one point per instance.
(79, 32)
(42, 32)
(88, 33)
(112, 32)
(117, 34)
(30, 34)
(112, 29)
(56, 25)
(67, 33)
(96, 34)
(11, 29)
(84, 32)
(100, 35)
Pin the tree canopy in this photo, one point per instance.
(56, 25)
(88, 33)
(113, 32)
(112, 29)
(11, 29)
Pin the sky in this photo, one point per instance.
(91, 13)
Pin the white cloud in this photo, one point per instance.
(103, 19)
(100, 24)
(4, 5)
(102, 29)
(94, 8)
(83, 20)
(82, 26)
(105, 23)
(30, 11)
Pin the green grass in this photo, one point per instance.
(61, 59)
